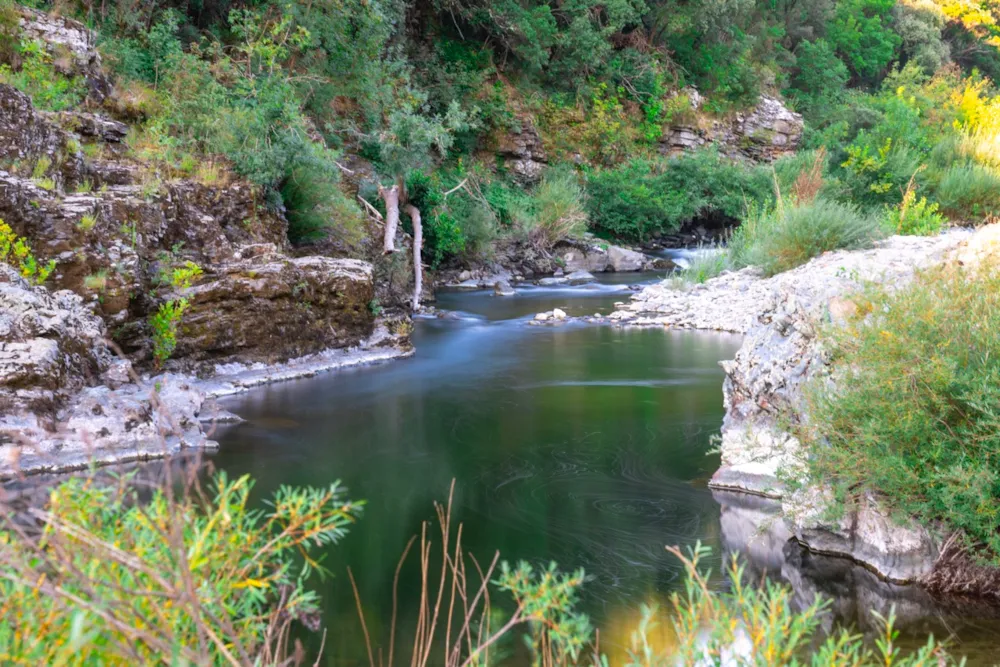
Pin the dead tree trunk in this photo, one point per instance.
(391, 198)
(418, 242)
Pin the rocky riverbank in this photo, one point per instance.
(68, 401)
(780, 318)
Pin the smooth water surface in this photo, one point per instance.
(586, 445)
(580, 444)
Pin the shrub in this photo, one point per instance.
(763, 624)
(969, 192)
(15, 251)
(557, 207)
(788, 236)
(316, 207)
(914, 414)
(37, 77)
(164, 324)
(641, 197)
(113, 576)
(913, 216)
(705, 265)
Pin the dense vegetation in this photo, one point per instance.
(915, 418)
(101, 575)
(897, 93)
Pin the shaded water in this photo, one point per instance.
(580, 444)
(583, 445)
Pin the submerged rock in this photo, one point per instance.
(579, 278)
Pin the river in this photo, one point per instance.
(586, 445)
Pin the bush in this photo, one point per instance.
(115, 578)
(914, 417)
(36, 76)
(705, 265)
(913, 216)
(787, 236)
(641, 197)
(15, 251)
(969, 192)
(316, 207)
(763, 624)
(557, 207)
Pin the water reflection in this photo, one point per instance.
(583, 445)
(752, 529)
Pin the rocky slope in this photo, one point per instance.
(780, 318)
(75, 355)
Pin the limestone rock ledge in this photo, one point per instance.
(66, 402)
(780, 317)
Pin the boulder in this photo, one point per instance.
(578, 278)
(581, 256)
(623, 259)
(503, 288)
(272, 308)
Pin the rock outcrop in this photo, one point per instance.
(269, 309)
(65, 399)
(72, 46)
(117, 232)
(765, 133)
(780, 318)
(522, 151)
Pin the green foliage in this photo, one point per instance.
(10, 32)
(763, 624)
(37, 77)
(705, 265)
(969, 192)
(556, 210)
(819, 77)
(914, 216)
(546, 598)
(164, 324)
(15, 251)
(641, 197)
(914, 415)
(862, 35)
(115, 578)
(920, 25)
(788, 235)
(315, 205)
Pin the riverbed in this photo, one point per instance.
(584, 445)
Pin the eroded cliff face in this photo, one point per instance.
(116, 232)
(763, 394)
(76, 353)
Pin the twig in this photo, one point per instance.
(361, 615)
(457, 187)
(371, 209)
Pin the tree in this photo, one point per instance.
(409, 141)
(860, 32)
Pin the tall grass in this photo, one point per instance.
(785, 236)
(915, 416)
(969, 192)
(557, 208)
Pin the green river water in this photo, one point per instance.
(586, 445)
